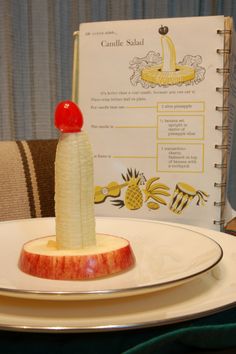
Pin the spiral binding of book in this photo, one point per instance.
(224, 109)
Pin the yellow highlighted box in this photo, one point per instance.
(180, 127)
(184, 157)
(187, 106)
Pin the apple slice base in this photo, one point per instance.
(42, 258)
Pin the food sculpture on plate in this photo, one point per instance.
(76, 252)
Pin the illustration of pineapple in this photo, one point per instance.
(133, 196)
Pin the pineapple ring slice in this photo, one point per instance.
(153, 74)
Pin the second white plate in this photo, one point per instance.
(166, 255)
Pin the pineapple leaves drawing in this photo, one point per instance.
(133, 195)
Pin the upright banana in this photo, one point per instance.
(74, 192)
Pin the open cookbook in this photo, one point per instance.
(158, 102)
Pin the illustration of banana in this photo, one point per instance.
(168, 53)
(153, 190)
(183, 195)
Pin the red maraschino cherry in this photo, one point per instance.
(68, 117)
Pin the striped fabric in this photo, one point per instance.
(27, 179)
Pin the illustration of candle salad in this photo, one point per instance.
(76, 252)
(163, 69)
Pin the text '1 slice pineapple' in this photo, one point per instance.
(76, 252)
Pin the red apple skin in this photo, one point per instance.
(77, 267)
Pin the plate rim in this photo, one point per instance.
(115, 327)
(107, 293)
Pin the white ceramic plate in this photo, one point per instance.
(166, 255)
(206, 294)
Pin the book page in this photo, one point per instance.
(147, 89)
